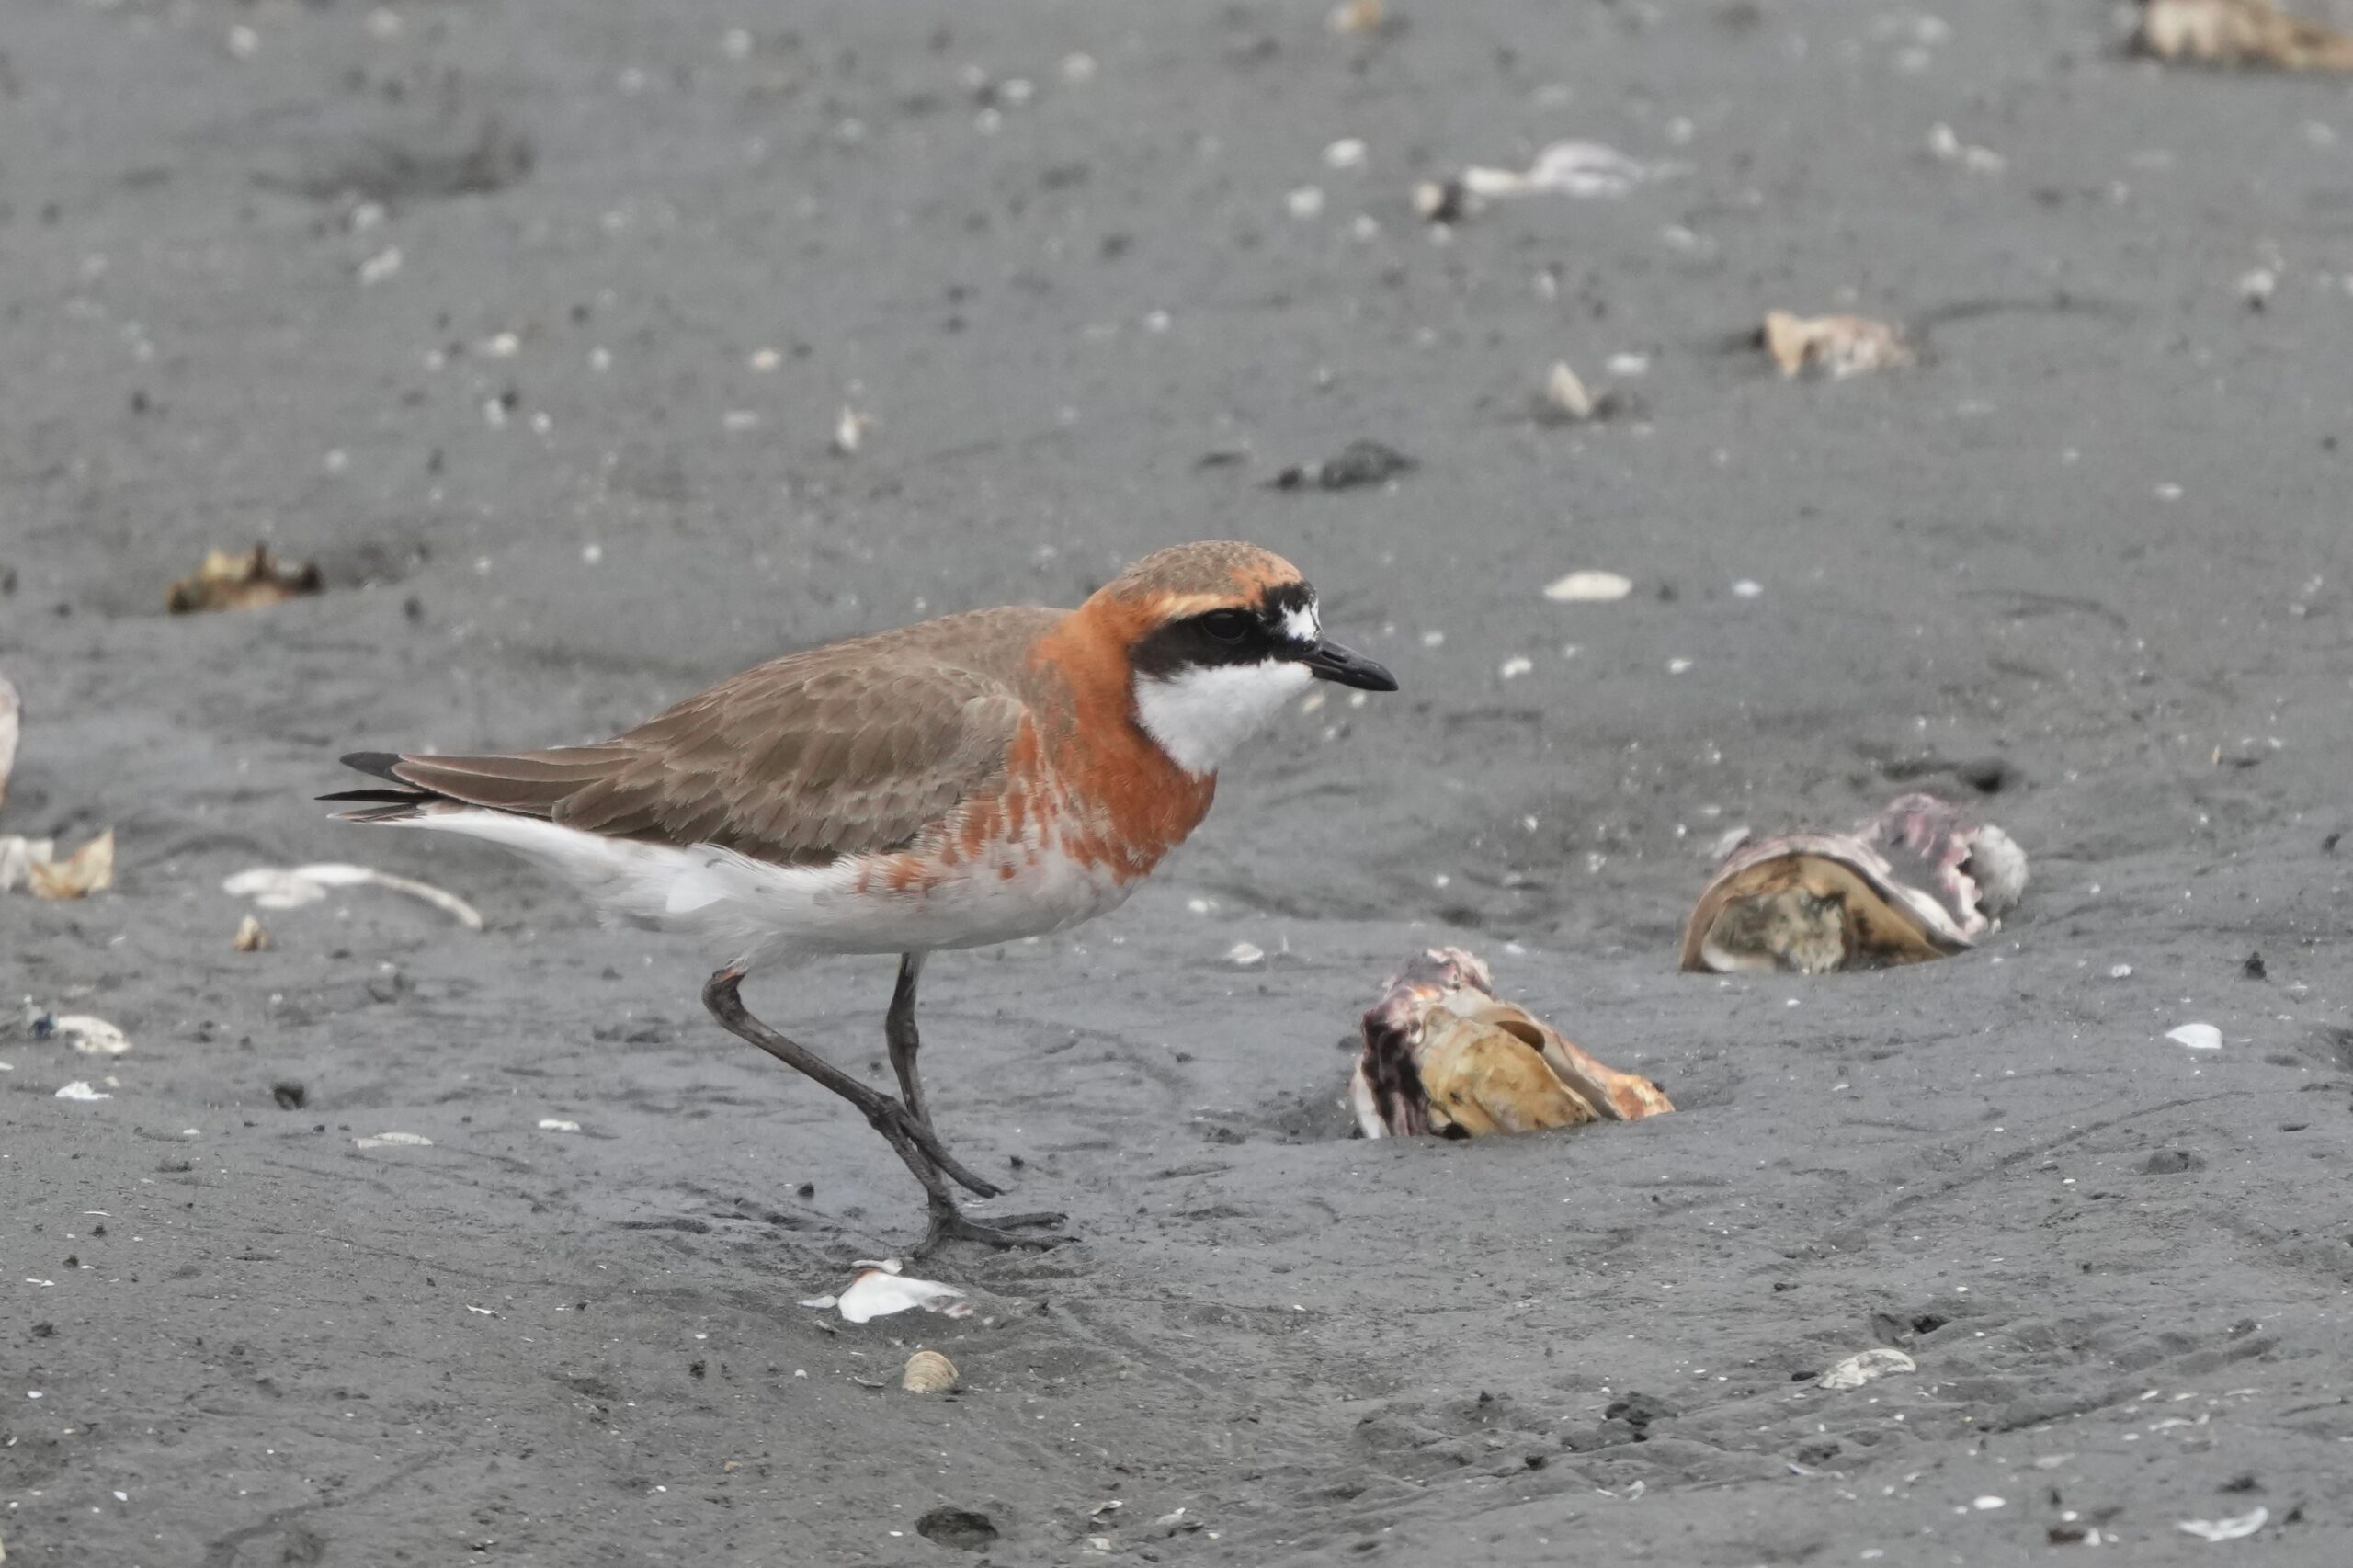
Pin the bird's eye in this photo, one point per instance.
(1226, 625)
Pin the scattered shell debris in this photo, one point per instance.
(247, 580)
(290, 887)
(2232, 1529)
(2240, 32)
(1946, 146)
(1566, 400)
(928, 1372)
(12, 709)
(1442, 1055)
(252, 937)
(79, 1089)
(394, 1140)
(1358, 463)
(849, 431)
(1588, 588)
(1919, 881)
(877, 1290)
(1839, 346)
(557, 1124)
(1868, 1366)
(2198, 1037)
(1244, 954)
(33, 862)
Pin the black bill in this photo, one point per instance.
(1333, 663)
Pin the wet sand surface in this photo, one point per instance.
(533, 325)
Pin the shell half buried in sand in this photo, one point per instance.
(1920, 881)
(928, 1372)
(1442, 1055)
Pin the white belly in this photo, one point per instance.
(748, 913)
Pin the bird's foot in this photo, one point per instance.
(896, 1122)
(950, 1223)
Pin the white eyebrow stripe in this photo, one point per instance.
(1301, 624)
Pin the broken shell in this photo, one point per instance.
(928, 1372)
(249, 581)
(1868, 1367)
(91, 1036)
(1442, 1055)
(87, 870)
(877, 1290)
(252, 937)
(12, 709)
(2240, 32)
(290, 887)
(1843, 345)
(1565, 394)
(1919, 881)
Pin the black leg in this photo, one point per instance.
(906, 1130)
(899, 1029)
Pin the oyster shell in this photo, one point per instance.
(928, 1372)
(2240, 32)
(1442, 1055)
(1921, 881)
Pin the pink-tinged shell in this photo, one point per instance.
(1920, 881)
(1442, 1055)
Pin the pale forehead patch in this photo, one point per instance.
(1300, 625)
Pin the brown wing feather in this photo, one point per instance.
(855, 747)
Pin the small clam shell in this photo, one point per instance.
(928, 1372)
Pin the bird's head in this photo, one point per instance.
(1219, 636)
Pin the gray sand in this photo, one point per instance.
(2099, 533)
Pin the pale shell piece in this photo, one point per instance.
(879, 1289)
(79, 1089)
(252, 937)
(1565, 168)
(1868, 1367)
(1843, 345)
(91, 1037)
(1588, 588)
(290, 887)
(87, 870)
(249, 580)
(394, 1140)
(2198, 1037)
(1566, 393)
(11, 721)
(17, 856)
(2231, 1528)
(928, 1372)
(2240, 32)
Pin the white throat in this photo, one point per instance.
(1202, 713)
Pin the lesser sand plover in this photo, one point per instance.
(973, 780)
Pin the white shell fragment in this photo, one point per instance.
(2231, 1528)
(1245, 954)
(2198, 1037)
(252, 937)
(1867, 1367)
(557, 1124)
(290, 887)
(394, 1140)
(1565, 393)
(1565, 168)
(79, 1089)
(1588, 588)
(879, 1289)
(92, 1037)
